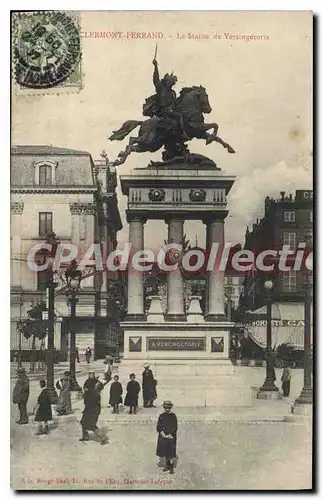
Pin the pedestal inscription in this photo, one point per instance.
(176, 344)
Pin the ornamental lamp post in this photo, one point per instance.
(73, 279)
(51, 285)
(304, 402)
(268, 390)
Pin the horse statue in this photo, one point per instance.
(158, 131)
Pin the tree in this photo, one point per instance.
(33, 326)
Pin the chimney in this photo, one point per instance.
(290, 197)
(282, 194)
(267, 203)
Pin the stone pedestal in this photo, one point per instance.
(194, 313)
(155, 313)
(189, 355)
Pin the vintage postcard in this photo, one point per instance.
(161, 250)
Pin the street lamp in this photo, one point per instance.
(268, 390)
(306, 396)
(73, 279)
(51, 285)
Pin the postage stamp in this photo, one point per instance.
(46, 51)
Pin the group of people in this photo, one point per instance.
(167, 422)
(149, 391)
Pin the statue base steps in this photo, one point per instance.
(193, 384)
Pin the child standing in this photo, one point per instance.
(115, 394)
(167, 434)
(43, 410)
(133, 389)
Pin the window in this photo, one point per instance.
(311, 216)
(45, 223)
(289, 281)
(289, 216)
(45, 172)
(289, 239)
(42, 279)
(45, 175)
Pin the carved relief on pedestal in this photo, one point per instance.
(197, 195)
(156, 194)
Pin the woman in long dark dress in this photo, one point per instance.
(149, 392)
(43, 410)
(64, 405)
(167, 436)
(21, 394)
(115, 394)
(91, 412)
(131, 399)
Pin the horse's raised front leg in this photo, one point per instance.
(214, 138)
(208, 126)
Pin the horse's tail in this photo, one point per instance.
(127, 127)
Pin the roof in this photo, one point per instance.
(45, 150)
(287, 325)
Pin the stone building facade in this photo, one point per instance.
(62, 190)
(287, 221)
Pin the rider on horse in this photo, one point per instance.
(162, 104)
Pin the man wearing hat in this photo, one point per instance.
(167, 434)
(21, 394)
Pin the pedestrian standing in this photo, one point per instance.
(88, 354)
(167, 436)
(77, 355)
(21, 394)
(285, 379)
(115, 394)
(149, 384)
(43, 409)
(91, 412)
(133, 389)
(64, 405)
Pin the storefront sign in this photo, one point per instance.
(274, 322)
(176, 344)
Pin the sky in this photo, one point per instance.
(260, 92)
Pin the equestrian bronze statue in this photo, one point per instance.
(173, 121)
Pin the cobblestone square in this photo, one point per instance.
(211, 456)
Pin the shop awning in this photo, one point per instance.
(287, 325)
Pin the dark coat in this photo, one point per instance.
(92, 410)
(167, 422)
(149, 392)
(115, 393)
(21, 390)
(44, 412)
(133, 389)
